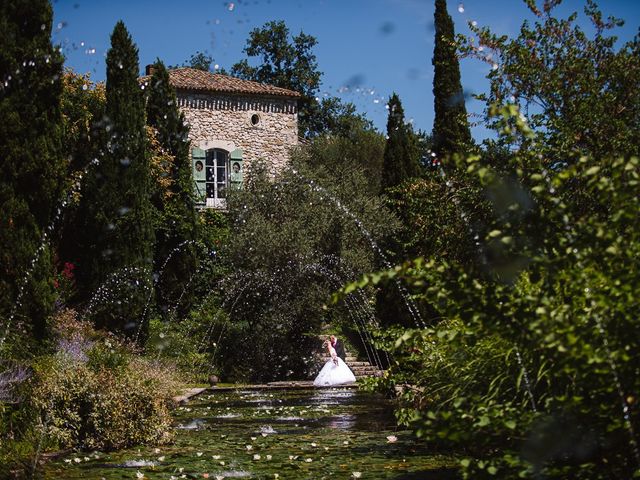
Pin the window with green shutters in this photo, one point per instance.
(214, 171)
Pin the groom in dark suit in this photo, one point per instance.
(338, 346)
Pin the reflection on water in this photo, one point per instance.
(192, 425)
(342, 422)
(326, 433)
(267, 429)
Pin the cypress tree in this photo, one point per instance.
(399, 161)
(32, 166)
(121, 210)
(451, 127)
(176, 230)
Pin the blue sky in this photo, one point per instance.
(367, 49)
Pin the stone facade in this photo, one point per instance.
(263, 127)
(232, 123)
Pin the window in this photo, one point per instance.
(255, 119)
(216, 177)
(214, 172)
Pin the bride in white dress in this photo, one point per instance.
(334, 372)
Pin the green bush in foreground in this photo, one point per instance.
(83, 407)
(532, 370)
(96, 393)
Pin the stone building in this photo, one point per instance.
(232, 122)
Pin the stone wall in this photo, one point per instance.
(229, 122)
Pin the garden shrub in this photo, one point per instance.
(111, 401)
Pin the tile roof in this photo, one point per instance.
(199, 80)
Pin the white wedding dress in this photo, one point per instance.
(332, 374)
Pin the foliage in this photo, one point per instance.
(117, 194)
(400, 153)
(294, 238)
(284, 63)
(213, 228)
(190, 340)
(64, 283)
(333, 117)
(200, 61)
(83, 104)
(160, 166)
(528, 363)
(175, 251)
(360, 150)
(579, 92)
(559, 298)
(32, 163)
(102, 404)
(451, 132)
(95, 392)
(444, 215)
(400, 163)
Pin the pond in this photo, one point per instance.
(335, 433)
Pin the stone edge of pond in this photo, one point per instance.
(293, 385)
(299, 385)
(187, 394)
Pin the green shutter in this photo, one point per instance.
(198, 157)
(236, 168)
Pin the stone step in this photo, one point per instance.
(360, 368)
(352, 363)
(368, 374)
(364, 371)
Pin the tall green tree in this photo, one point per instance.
(32, 165)
(400, 160)
(451, 127)
(400, 163)
(121, 222)
(200, 61)
(578, 87)
(339, 119)
(284, 63)
(176, 228)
